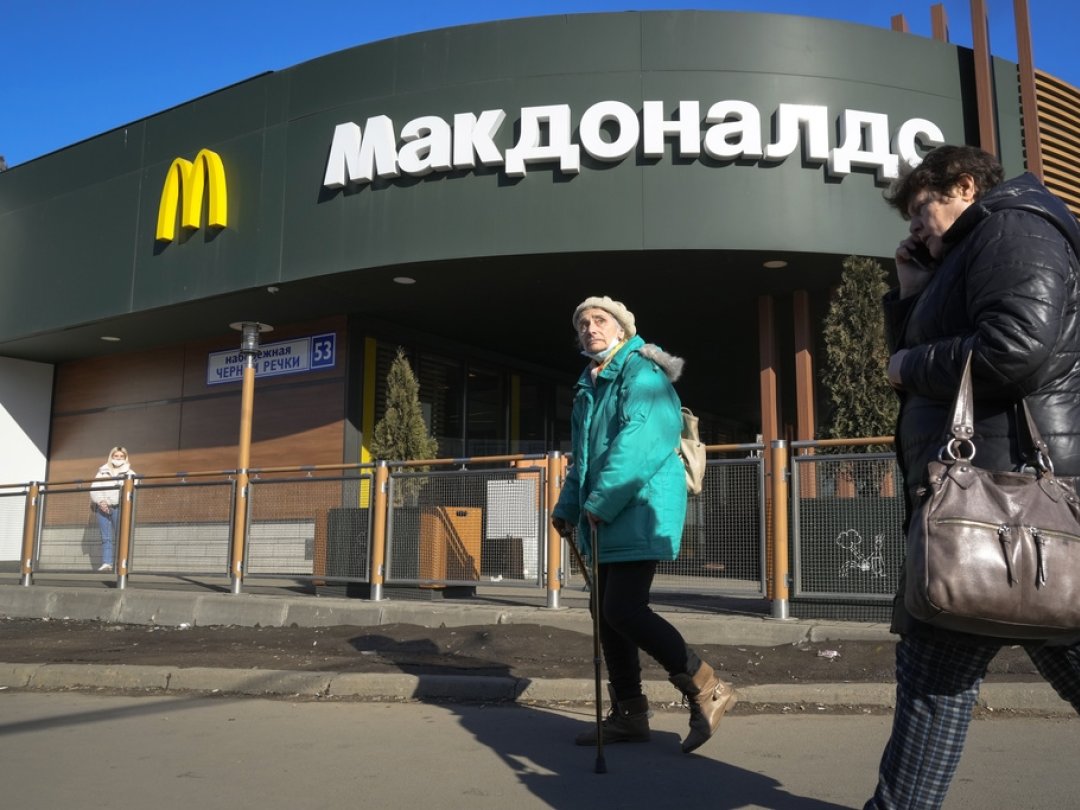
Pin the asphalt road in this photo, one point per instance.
(78, 750)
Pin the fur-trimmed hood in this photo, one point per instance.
(671, 364)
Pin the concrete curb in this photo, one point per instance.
(1036, 697)
(176, 608)
(147, 606)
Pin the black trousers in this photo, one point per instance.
(628, 624)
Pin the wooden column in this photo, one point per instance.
(984, 80)
(770, 404)
(806, 417)
(804, 367)
(939, 23)
(770, 418)
(1028, 99)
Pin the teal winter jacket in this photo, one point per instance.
(625, 431)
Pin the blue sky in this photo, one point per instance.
(74, 68)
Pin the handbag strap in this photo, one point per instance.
(963, 413)
(962, 446)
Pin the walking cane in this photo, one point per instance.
(592, 580)
(601, 765)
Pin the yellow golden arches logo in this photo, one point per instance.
(187, 179)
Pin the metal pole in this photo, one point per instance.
(378, 530)
(554, 539)
(780, 528)
(29, 531)
(249, 348)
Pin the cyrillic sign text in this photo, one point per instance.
(611, 131)
(295, 356)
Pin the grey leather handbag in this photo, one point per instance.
(994, 553)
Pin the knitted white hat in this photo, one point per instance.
(617, 309)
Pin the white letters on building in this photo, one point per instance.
(860, 129)
(535, 122)
(656, 128)
(475, 138)
(736, 131)
(601, 113)
(426, 147)
(907, 139)
(357, 157)
(815, 132)
(611, 131)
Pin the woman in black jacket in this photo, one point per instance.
(988, 267)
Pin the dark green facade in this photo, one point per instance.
(500, 261)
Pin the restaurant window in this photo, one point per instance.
(486, 413)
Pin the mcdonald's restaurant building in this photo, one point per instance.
(456, 193)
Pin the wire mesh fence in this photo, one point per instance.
(723, 536)
(454, 526)
(69, 535)
(310, 526)
(182, 527)
(847, 517)
(12, 521)
(461, 527)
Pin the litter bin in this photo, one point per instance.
(450, 544)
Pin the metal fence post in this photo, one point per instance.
(123, 545)
(554, 539)
(780, 528)
(29, 526)
(380, 503)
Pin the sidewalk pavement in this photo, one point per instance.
(152, 606)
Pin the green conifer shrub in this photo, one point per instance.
(861, 401)
(401, 434)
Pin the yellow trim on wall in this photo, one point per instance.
(367, 419)
(367, 415)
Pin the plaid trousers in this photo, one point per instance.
(937, 684)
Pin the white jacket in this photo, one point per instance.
(107, 476)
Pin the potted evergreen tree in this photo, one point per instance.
(861, 401)
(401, 434)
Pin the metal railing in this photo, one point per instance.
(455, 525)
(847, 512)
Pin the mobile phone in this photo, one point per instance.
(921, 256)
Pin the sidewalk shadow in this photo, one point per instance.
(536, 744)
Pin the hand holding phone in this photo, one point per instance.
(914, 266)
(921, 256)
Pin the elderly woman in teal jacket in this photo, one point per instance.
(629, 483)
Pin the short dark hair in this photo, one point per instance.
(940, 170)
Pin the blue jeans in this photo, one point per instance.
(110, 526)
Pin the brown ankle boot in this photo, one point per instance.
(627, 721)
(709, 697)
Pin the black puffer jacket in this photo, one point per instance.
(1006, 290)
